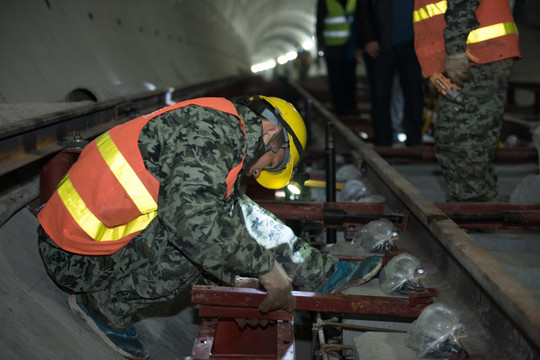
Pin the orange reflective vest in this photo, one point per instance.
(108, 197)
(495, 39)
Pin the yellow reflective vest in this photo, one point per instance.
(337, 23)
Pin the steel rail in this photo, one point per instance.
(507, 309)
(24, 143)
(28, 140)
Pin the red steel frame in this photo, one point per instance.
(351, 216)
(220, 337)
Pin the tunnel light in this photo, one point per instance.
(291, 55)
(308, 44)
(269, 64)
(149, 86)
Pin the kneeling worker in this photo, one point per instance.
(154, 203)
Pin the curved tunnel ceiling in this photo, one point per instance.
(112, 48)
(118, 47)
(289, 32)
(269, 28)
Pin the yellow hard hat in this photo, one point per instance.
(283, 113)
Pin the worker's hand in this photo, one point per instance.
(372, 48)
(456, 66)
(278, 287)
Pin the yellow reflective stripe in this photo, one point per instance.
(491, 32)
(125, 174)
(90, 223)
(429, 11)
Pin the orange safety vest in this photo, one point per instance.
(495, 39)
(108, 196)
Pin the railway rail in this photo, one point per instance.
(498, 305)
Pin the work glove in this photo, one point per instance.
(278, 287)
(456, 67)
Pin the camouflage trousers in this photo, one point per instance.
(466, 136)
(149, 269)
(118, 285)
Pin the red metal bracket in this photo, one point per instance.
(309, 301)
(221, 338)
(347, 215)
(492, 215)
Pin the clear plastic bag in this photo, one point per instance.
(527, 191)
(401, 275)
(376, 198)
(434, 335)
(347, 172)
(376, 236)
(353, 190)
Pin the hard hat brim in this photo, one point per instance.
(276, 179)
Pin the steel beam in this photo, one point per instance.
(350, 216)
(312, 301)
(425, 154)
(492, 215)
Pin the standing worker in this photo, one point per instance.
(154, 203)
(448, 35)
(337, 37)
(388, 42)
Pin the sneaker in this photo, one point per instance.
(126, 343)
(353, 273)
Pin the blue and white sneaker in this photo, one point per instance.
(126, 343)
(353, 273)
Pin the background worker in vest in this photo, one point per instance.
(337, 38)
(154, 203)
(466, 134)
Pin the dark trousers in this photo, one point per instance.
(400, 58)
(342, 82)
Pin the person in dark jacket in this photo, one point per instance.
(388, 43)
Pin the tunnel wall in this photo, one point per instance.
(49, 49)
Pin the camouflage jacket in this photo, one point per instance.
(190, 151)
(460, 19)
